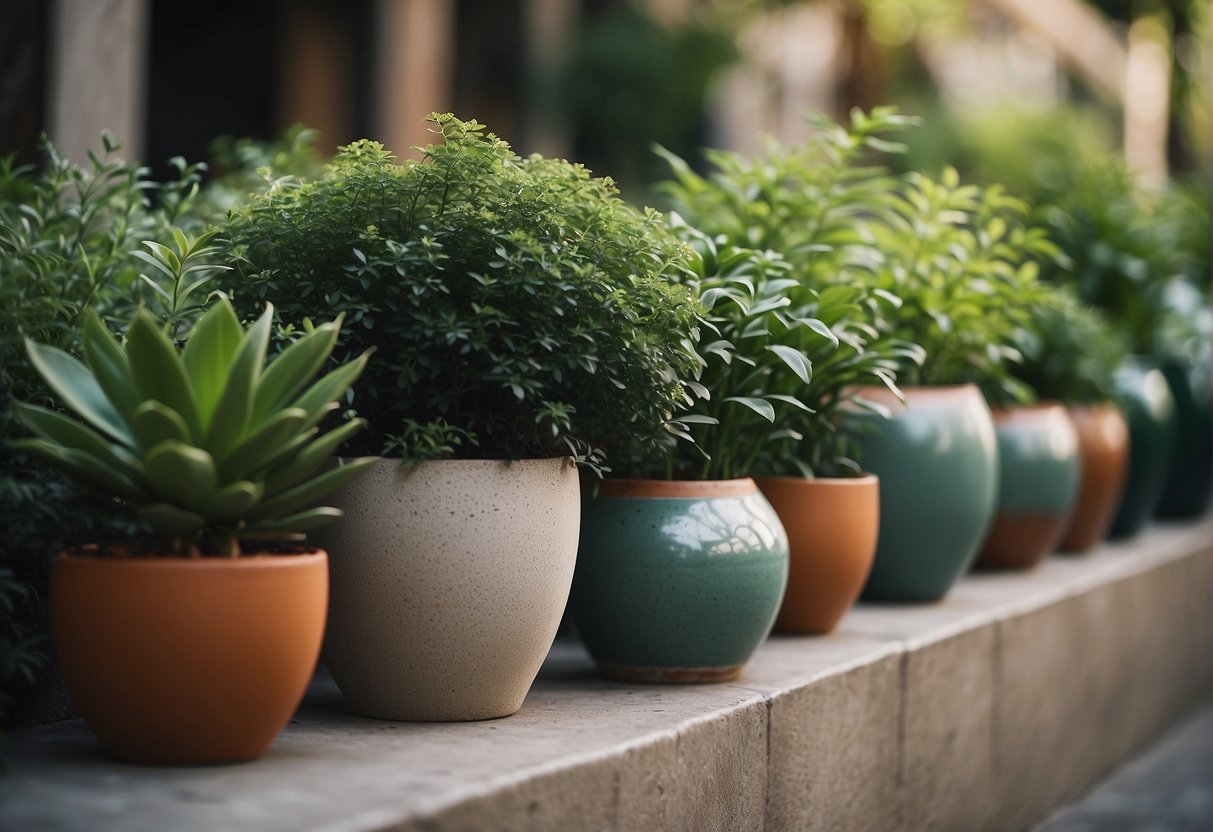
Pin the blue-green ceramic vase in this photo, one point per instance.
(1149, 409)
(677, 581)
(937, 459)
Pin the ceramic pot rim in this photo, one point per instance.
(697, 489)
(865, 480)
(1026, 410)
(256, 561)
(470, 463)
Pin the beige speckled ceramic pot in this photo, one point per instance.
(448, 580)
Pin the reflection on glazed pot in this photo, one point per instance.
(1038, 465)
(937, 460)
(1103, 442)
(677, 581)
(1149, 409)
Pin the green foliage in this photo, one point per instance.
(244, 166)
(964, 265)
(204, 444)
(516, 303)
(20, 657)
(809, 203)
(1070, 352)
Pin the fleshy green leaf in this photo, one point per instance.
(77, 388)
(208, 355)
(231, 418)
(311, 458)
(299, 523)
(166, 519)
(307, 494)
(153, 422)
(330, 388)
(260, 445)
(185, 475)
(109, 364)
(89, 470)
(293, 369)
(65, 431)
(158, 372)
(232, 502)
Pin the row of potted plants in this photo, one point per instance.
(802, 353)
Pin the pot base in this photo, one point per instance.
(1020, 540)
(670, 675)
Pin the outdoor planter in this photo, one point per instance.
(1188, 487)
(1103, 443)
(937, 460)
(832, 526)
(1038, 473)
(677, 581)
(1149, 409)
(448, 580)
(188, 660)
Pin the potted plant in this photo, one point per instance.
(961, 261)
(194, 643)
(801, 201)
(511, 300)
(1071, 355)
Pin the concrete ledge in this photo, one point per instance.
(984, 711)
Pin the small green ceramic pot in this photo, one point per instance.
(1188, 488)
(677, 581)
(937, 459)
(1149, 409)
(1038, 472)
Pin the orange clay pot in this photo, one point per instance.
(832, 526)
(188, 660)
(1103, 443)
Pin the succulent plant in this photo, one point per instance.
(208, 445)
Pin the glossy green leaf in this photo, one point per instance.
(261, 444)
(89, 470)
(182, 474)
(330, 388)
(299, 523)
(760, 406)
(158, 372)
(794, 359)
(208, 354)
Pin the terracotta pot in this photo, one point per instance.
(448, 582)
(677, 581)
(188, 660)
(937, 459)
(1103, 445)
(832, 525)
(1038, 472)
(1149, 408)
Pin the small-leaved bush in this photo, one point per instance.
(516, 302)
(964, 262)
(807, 204)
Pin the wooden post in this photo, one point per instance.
(415, 69)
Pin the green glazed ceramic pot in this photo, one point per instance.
(1149, 409)
(677, 581)
(1188, 488)
(937, 459)
(1038, 474)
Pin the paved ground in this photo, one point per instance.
(1169, 788)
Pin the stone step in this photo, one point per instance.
(984, 711)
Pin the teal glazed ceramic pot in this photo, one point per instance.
(677, 581)
(1188, 487)
(1149, 409)
(1038, 472)
(937, 460)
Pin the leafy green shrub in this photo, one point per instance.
(203, 444)
(964, 264)
(807, 203)
(515, 302)
(1070, 352)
